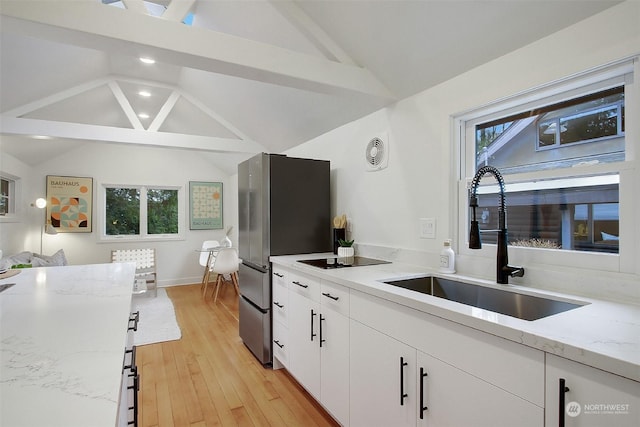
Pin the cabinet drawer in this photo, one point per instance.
(280, 304)
(335, 297)
(280, 276)
(306, 286)
(280, 344)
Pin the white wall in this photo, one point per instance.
(19, 231)
(121, 164)
(420, 181)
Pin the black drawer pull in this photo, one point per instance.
(321, 338)
(328, 295)
(562, 389)
(423, 407)
(277, 304)
(135, 318)
(132, 363)
(278, 274)
(313, 314)
(302, 285)
(278, 343)
(402, 393)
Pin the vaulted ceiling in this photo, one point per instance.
(245, 76)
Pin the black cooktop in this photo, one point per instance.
(335, 262)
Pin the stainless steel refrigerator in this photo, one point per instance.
(284, 209)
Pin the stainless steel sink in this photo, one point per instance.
(514, 304)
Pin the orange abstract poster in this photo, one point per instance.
(69, 203)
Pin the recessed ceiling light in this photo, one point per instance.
(147, 60)
(143, 115)
(144, 93)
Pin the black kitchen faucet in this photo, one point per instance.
(503, 269)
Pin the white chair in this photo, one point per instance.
(227, 262)
(207, 257)
(145, 275)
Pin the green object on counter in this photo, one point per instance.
(15, 266)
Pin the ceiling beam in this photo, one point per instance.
(178, 10)
(106, 28)
(312, 31)
(30, 127)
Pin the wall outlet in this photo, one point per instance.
(427, 228)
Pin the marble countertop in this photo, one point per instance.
(601, 334)
(62, 338)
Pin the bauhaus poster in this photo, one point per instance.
(69, 203)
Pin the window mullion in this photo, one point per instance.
(143, 212)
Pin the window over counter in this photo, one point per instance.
(143, 212)
(563, 152)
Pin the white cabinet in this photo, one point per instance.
(304, 341)
(448, 396)
(437, 373)
(589, 396)
(318, 341)
(280, 310)
(382, 379)
(334, 351)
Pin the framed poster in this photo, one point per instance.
(70, 203)
(205, 205)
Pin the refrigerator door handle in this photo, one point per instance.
(261, 268)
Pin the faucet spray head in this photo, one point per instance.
(474, 236)
(474, 232)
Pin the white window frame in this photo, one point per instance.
(608, 76)
(15, 191)
(143, 236)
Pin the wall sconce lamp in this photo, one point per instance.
(46, 225)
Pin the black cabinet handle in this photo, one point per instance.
(276, 303)
(278, 274)
(278, 343)
(135, 318)
(132, 363)
(321, 339)
(562, 389)
(135, 387)
(313, 314)
(402, 393)
(302, 285)
(328, 295)
(423, 408)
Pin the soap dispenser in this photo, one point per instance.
(447, 258)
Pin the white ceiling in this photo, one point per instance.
(248, 76)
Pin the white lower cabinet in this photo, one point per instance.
(393, 384)
(280, 310)
(382, 379)
(581, 396)
(318, 343)
(448, 396)
(304, 350)
(412, 369)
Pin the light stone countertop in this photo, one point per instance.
(63, 332)
(601, 334)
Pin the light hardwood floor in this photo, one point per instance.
(209, 377)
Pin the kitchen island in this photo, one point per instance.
(63, 332)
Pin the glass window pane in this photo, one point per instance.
(581, 218)
(122, 211)
(162, 211)
(587, 129)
